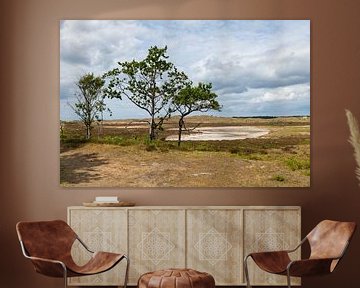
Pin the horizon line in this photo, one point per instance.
(254, 116)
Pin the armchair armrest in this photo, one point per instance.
(49, 267)
(83, 244)
(298, 246)
(279, 252)
(308, 267)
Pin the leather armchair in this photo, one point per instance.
(328, 242)
(48, 245)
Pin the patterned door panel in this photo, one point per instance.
(270, 230)
(157, 240)
(100, 230)
(214, 244)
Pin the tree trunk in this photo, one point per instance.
(152, 124)
(152, 128)
(88, 132)
(181, 124)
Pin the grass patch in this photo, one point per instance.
(251, 149)
(286, 147)
(278, 178)
(297, 163)
(115, 140)
(151, 147)
(71, 143)
(307, 172)
(257, 157)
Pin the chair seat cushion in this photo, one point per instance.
(176, 278)
(99, 262)
(272, 262)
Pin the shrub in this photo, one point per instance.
(150, 147)
(297, 163)
(279, 178)
(114, 140)
(234, 150)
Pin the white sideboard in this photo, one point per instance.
(211, 239)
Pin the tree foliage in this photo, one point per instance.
(149, 84)
(191, 99)
(90, 104)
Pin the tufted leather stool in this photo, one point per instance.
(176, 278)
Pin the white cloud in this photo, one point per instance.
(270, 96)
(294, 92)
(289, 100)
(249, 62)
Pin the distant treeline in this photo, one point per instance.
(269, 117)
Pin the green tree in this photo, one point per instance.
(193, 98)
(89, 104)
(149, 84)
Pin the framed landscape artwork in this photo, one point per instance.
(185, 103)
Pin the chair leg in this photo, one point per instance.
(246, 270)
(65, 276)
(288, 278)
(127, 271)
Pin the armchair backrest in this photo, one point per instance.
(46, 239)
(329, 239)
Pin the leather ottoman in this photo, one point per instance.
(176, 278)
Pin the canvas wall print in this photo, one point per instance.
(185, 103)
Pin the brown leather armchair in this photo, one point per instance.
(48, 245)
(328, 242)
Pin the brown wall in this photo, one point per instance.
(29, 111)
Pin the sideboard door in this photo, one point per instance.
(101, 230)
(269, 230)
(214, 244)
(156, 240)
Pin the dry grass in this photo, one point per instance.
(282, 158)
(114, 166)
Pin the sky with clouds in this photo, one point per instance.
(257, 68)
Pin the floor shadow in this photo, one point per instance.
(79, 168)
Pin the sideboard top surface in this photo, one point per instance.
(193, 207)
